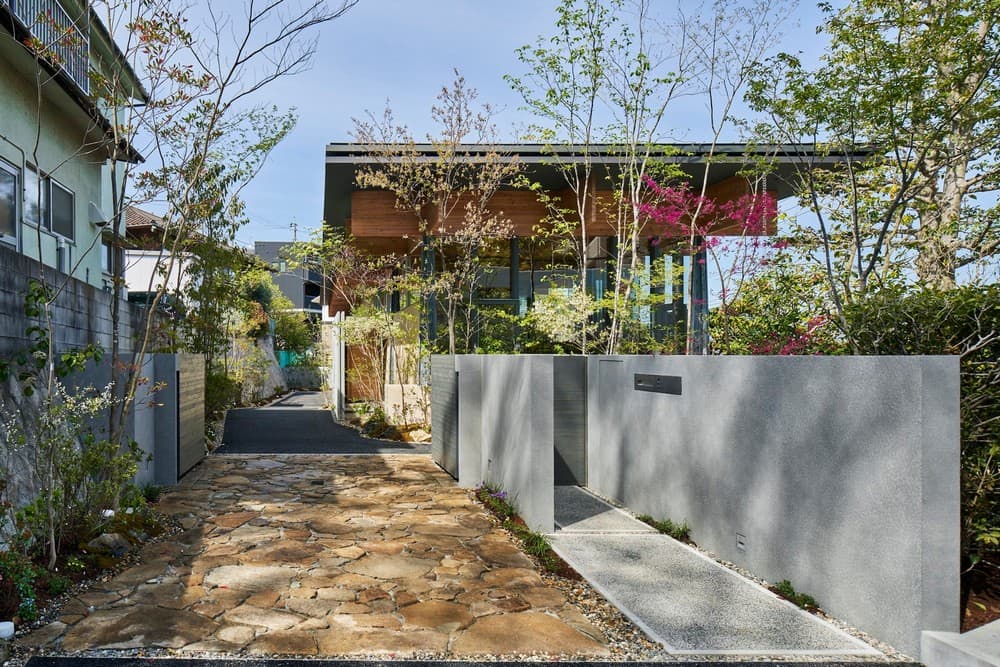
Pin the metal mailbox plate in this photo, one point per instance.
(661, 384)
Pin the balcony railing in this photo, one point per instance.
(61, 40)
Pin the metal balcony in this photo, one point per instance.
(62, 40)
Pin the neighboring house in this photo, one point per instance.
(521, 273)
(302, 286)
(55, 193)
(147, 264)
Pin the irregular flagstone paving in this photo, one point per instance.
(329, 556)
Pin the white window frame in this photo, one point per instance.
(43, 204)
(53, 183)
(14, 171)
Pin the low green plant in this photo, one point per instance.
(785, 589)
(681, 531)
(151, 492)
(496, 501)
(534, 544)
(58, 584)
(75, 565)
(17, 586)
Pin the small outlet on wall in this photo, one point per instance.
(741, 542)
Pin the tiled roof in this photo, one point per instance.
(136, 218)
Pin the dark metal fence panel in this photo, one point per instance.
(569, 419)
(179, 415)
(444, 413)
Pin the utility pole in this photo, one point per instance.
(295, 230)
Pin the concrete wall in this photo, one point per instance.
(303, 377)
(506, 429)
(841, 473)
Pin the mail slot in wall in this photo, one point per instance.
(661, 384)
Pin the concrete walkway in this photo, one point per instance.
(680, 597)
(326, 556)
(300, 424)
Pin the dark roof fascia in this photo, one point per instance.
(353, 153)
(66, 82)
(120, 58)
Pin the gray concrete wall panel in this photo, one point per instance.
(179, 417)
(469, 369)
(517, 432)
(841, 473)
(444, 413)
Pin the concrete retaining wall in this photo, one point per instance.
(839, 474)
(303, 377)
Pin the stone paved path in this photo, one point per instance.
(326, 555)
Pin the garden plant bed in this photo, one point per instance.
(534, 544)
(76, 571)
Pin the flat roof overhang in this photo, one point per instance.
(543, 163)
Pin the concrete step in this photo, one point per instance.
(976, 648)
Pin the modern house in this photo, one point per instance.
(55, 187)
(524, 270)
(302, 286)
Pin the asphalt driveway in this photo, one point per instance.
(300, 424)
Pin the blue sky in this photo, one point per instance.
(404, 51)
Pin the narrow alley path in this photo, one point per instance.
(298, 423)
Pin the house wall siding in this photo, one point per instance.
(63, 131)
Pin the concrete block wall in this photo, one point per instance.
(840, 474)
(81, 314)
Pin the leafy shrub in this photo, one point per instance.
(221, 392)
(294, 332)
(17, 586)
(58, 584)
(151, 492)
(78, 474)
(785, 589)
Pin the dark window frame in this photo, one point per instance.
(53, 185)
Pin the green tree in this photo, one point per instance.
(907, 95)
(448, 192)
(606, 80)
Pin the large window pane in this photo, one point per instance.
(8, 204)
(36, 198)
(61, 206)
